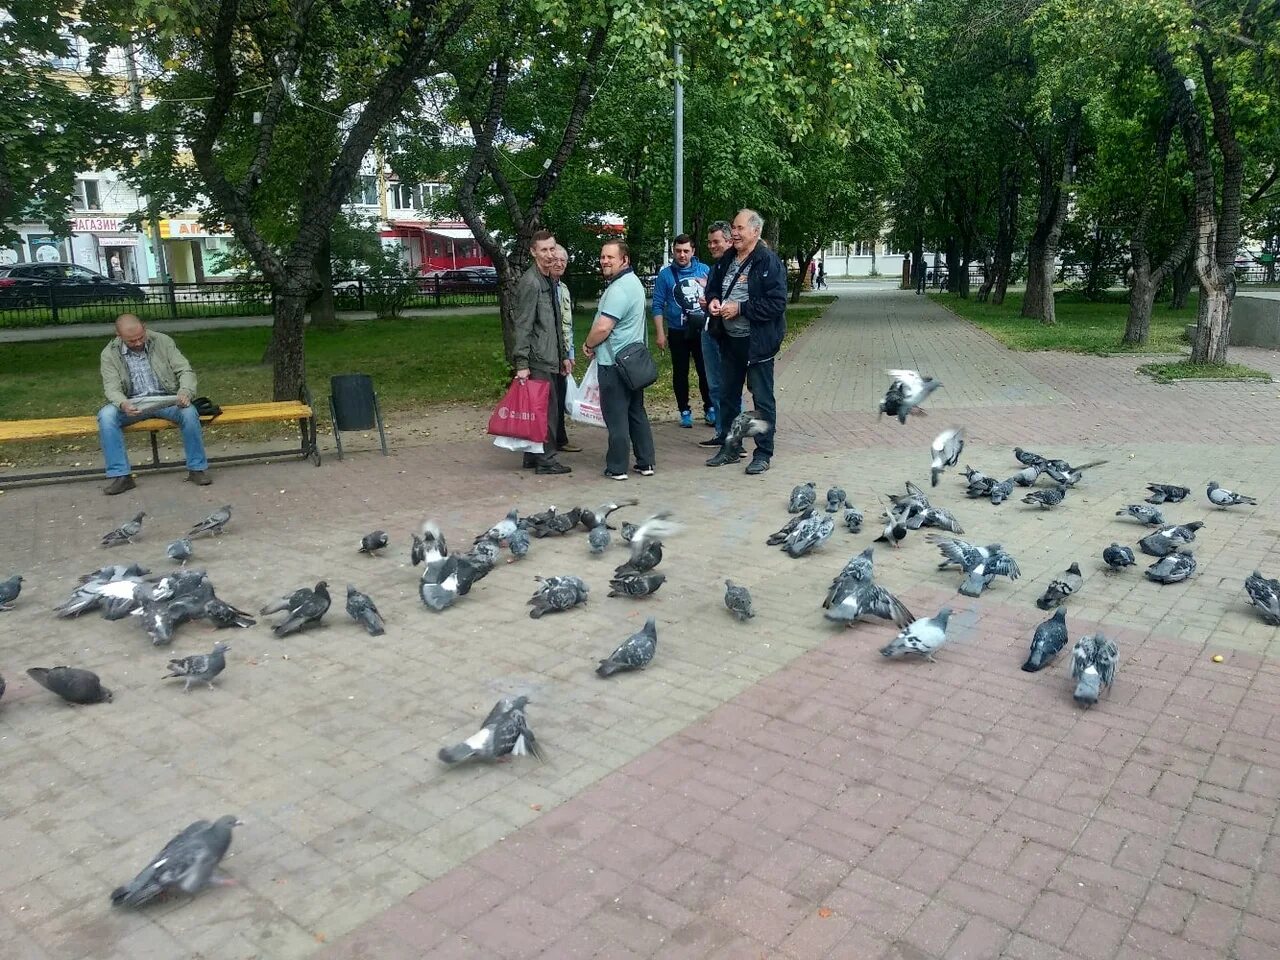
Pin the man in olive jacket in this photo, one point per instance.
(538, 350)
(136, 365)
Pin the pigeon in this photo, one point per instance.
(71, 683)
(1222, 497)
(9, 590)
(186, 863)
(786, 529)
(124, 533)
(287, 602)
(980, 571)
(223, 615)
(1002, 491)
(470, 569)
(836, 498)
(858, 598)
(1029, 459)
(503, 529)
(737, 600)
(161, 619)
(802, 497)
(940, 518)
(1047, 499)
(1151, 516)
(310, 610)
(1067, 475)
(895, 531)
(905, 394)
(536, 519)
(923, 637)
(861, 566)
(518, 544)
(1093, 666)
(371, 543)
(557, 594)
(555, 524)
(417, 550)
(977, 484)
(201, 668)
(590, 519)
(1117, 557)
(598, 538)
(945, 452)
(745, 424)
(364, 612)
(646, 544)
(1265, 595)
(634, 653)
(961, 553)
(213, 523)
(93, 594)
(627, 531)
(810, 534)
(1047, 642)
(486, 551)
(1172, 569)
(119, 599)
(1027, 476)
(1167, 493)
(504, 732)
(636, 584)
(438, 586)
(1, 686)
(117, 571)
(1061, 587)
(179, 550)
(1167, 540)
(853, 519)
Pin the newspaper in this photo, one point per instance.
(151, 404)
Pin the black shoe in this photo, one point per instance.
(721, 458)
(530, 461)
(757, 465)
(199, 478)
(553, 468)
(119, 485)
(712, 442)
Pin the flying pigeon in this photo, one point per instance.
(744, 425)
(786, 529)
(1265, 595)
(9, 590)
(364, 612)
(213, 523)
(1172, 569)
(313, 606)
(646, 544)
(1167, 492)
(1002, 491)
(223, 615)
(1143, 514)
(905, 394)
(590, 519)
(371, 543)
(1093, 666)
(1047, 499)
(809, 534)
(518, 544)
(961, 553)
(1061, 587)
(179, 551)
(1117, 557)
(737, 600)
(557, 594)
(503, 529)
(923, 637)
(858, 598)
(853, 519)
(598, 538)
(1222, 497)
(981, 570)
(504, 732)
(1049, 639)
(836, 498)
(124, 533)
(71, 683)
(1029, 459)
(803, 496)
(201, 668)
(636, 584)
(634, 653)
(186, 863)
(945, 452)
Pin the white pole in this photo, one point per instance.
(678, 213)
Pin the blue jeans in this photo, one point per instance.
(112, 420)
(735, 371)
(711, 363)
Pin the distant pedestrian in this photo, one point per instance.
(678, 321)
(921, 274)
(719, 240)
(538, 349)
(821, 275)
(559, 264)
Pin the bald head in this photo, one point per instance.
(131, 330)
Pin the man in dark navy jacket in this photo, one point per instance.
(747, 303)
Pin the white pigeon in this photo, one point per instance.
(922, 637)
(945, 452)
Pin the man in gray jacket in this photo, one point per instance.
(538, 350)
(137, 367)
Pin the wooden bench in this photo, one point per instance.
(301, 410)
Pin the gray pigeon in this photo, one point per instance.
(476, 564)
(1027, 476)
(636, 584)
(1168, 540)
(438, 586)
(552, 523)
(786, 529)
(808, 535)
(71, 683)
(598, 538)
(1002, 491)
(1062, 472)
(1049, 639)
(124, 533)
(371, 543)
(634, 653)
(92, 594)
(1222, 497)
(161, 618)
(977, 483)
(1093, 666)
(503, 529)
(1061, 587)
(187, 863)
(504, 732)
(1117, 557)
(364, 612)
(287, 602)
(310, 610)
(557, 594)
(961, 553)
(980, 571)
(646, 544)
(1265, 595)
(518, 544)
(116, 571)
(744, 425)
(179, 551)
(853, 518)
(1143, 514)
(945, 452)
(1172, 569)
(627, 531)
(1028, 459)
(858, 598)
(592, 518)
(9, 590)
(223, 615)
(905, 394)
(737, 600)
(201, 668)
(923, 637)
(1047, 499)
(213, 523)
(802, 497)
(836, 498)
(1167, 493)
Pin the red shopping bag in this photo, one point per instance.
(522, 414)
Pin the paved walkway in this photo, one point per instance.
(774, 789)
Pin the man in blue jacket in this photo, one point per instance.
(747, 303)
(678, 319)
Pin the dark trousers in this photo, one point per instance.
(554, 408)
(685, 343)
(735, 372)
(920, 282)
(562, 386)
(627, 422)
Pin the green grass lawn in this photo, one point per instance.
(1186, 370)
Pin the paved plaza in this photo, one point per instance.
(773, 789)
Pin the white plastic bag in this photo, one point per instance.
(519, 446)
(582, 401)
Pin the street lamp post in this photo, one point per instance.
(677, 220)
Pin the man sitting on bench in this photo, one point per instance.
(139, 371)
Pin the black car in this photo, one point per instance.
(69, 284)
(463, 280)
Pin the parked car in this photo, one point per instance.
(31, 284)
(463, 280)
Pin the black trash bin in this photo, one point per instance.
(354, 406)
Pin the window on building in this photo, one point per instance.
(365, 191)
(839, 249)
(404, 196)
(86, 195)
(864, 248)
(67, 58)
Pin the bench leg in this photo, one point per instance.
(382, 434)
(337, 434)
(155, 450)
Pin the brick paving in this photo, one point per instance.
(773, 789)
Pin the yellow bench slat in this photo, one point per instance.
(53, 427)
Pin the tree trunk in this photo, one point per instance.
(288, 363)
(1213, 333)
(1142, 295)
(1183, 277)
(1093, 278)
(1042, 252)
(1032, 299)
(507, 280)
(1007, 225)
(805, 258)
(323, 312)
(953, 265)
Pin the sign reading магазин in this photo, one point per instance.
(97, 224)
